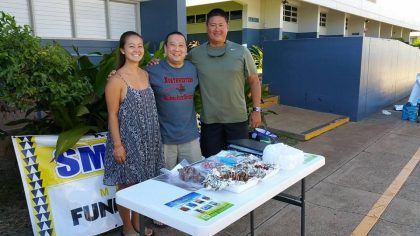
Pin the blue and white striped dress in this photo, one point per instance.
(140, 136)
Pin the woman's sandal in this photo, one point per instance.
(147, 232)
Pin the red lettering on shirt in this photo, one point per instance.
(178, 97)
(178, 80)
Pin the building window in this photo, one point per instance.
(85, 19)
(191, 19)
(253, 19)
(323, 19)
(200, 18)
(235, 15)
(347, 23)
(290, 13)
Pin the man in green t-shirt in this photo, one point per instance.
(223, 69)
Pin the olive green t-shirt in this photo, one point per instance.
(222, 73)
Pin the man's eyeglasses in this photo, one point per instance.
(215, 52)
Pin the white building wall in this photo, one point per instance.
(403, 13)
(386, 31)
(251, 9)
(335, 23)
(356, 26)
(18, 9)
(373, 29)
(52, 18)
(406, 35)
(90, 19)
(396, 32)
(308, 18)
(122, 18)
(270, 14)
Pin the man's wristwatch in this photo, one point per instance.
(257, 109)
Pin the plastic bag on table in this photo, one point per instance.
(173, 177)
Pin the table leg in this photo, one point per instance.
(251, 214)
(297, 201)
(302, 213)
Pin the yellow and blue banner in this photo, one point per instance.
(66, 196)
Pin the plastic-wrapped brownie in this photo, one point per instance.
(189, 173)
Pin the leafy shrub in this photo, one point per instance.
(257, 55)
(36, 78)
(69, 91)
(416, 43)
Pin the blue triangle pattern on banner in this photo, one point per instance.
(44, 208)
(43, 216)
(48, 222)
(40, 225)
(38, 216)
(24, 144)
(44, 225)
(38, 192)
(28, 152)
(30, 160)
(32, 168)
(34, 176)
(39, 200)
(25, 138)
(35, 183)
(47, 232)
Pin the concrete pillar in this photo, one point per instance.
(386, 30)
(373, 29)
(335, 23)
(159, 17)
(251, 23)
(406, 35)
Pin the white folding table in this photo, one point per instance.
(149, 198)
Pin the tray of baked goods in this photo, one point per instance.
(229, 170)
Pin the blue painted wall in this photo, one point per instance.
(306, 35)
(269, 34)
(293, 35)
(352, 76)
(307, 74)
(331, 36)
(251, 36)
(288, 35)
(160, 17)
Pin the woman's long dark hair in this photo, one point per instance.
(123, 39)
